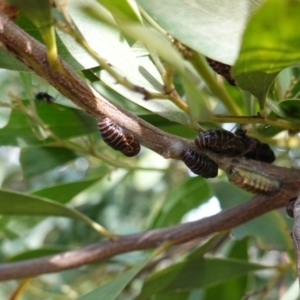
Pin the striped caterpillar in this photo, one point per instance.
(199, 164)
(253, 182)
(114, 136)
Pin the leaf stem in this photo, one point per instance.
(256, 120)
(216, 88)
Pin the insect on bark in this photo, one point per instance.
(256, 149)
(220, 141)
(114, 136)
(253, 182)
(199, 164)
(44, 96)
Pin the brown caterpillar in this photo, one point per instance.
(114, 136)
(256, 149)
(222, 69)
(220, 140)
(253, 182)
(199, 164)
(238, 144)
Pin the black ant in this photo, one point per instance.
(44, 96)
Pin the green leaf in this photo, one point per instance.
(291, 108)
(64, 192)
(235, 288)
(113, 288)
(195, 274)
(173, 296)
(205, 247)
(36, 253)
(40, 13)
(213, 28)
(12, 203)
(275, 236)
(122, 10)
(65, 122)
(184, 197)
(198, 106)
(228, 194)
(257, 83)
(37, 160)
(270, 42)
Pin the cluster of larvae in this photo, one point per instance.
(216, 140)
(238, 144)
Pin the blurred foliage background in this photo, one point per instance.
(58, 177)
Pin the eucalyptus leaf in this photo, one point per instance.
(12, 203)
(270, 42)
(196, 273)
(111, 289)
(291, 108)
(257, 83)
(187, 195)
(37, 160)
(213, 28)
(66, 191)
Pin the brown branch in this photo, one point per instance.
(33, 55)
(178, 234)
(296, 233)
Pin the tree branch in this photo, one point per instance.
(33, 55)
(296, 234)
(177, 234)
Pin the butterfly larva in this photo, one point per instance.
(199, 164)
(239, 144)
(114, 136)
(256, 149)
(222, 69)
(44, 96)
(253, 182)
(220, 140)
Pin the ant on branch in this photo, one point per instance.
(40, 96)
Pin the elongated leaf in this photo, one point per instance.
(195, 274)
(110, 290)
(270, 42)
(122, 10)
(214, 28)
(12, 203)
(65, 122)
(198, 106)
(40, 13)
(36, 253)
(37, 160)
(274, 236)
(257, 83)
(65, 192)
(189, 194)
(291, 108)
